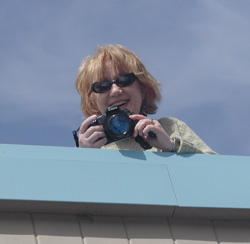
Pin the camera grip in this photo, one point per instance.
(142, 143)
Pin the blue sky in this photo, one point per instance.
(198, 50)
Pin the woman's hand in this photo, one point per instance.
(93, 136)
(145, 125)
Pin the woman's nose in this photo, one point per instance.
(115, 90)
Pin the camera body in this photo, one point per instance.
(116, 123)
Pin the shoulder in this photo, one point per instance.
(167, 122)
(175, 127)
(170, 120)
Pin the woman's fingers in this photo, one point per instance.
(91, 136)
(145, 126)
(86, 123)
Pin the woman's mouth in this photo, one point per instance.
(120, 104)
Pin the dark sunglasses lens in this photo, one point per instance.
(122, 81)
(101, 87)
(125, 80)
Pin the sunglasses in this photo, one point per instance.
(122, 81)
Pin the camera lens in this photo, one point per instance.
(119, 124)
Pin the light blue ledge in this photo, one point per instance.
(82, 175)
(56, 174)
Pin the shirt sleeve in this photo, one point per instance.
(190, 142)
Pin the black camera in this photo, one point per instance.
(116, 123)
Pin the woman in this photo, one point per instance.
(116, 76)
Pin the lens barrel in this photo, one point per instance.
(119, 125)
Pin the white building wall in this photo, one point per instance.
(18, 228)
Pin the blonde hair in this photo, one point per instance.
(123, 61)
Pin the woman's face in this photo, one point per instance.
(132, 95)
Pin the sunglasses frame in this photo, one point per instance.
(113, 81)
